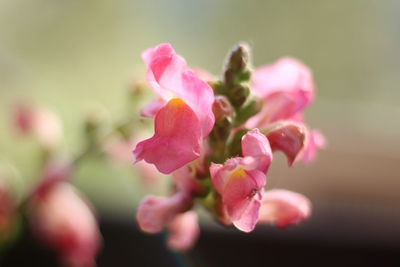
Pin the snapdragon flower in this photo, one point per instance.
(217, 140)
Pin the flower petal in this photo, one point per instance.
(256, 145)
(154, 213)
(176, 140)
(170, 77)
(183, 231)
(283, 207)
(287, 87)
(315, 141)
(289, 137)
(151, 109)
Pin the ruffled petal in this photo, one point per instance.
(170, 77)
(176, 140)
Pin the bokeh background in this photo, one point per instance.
(77, 56)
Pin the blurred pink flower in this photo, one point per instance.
(287, 88)
(183, 231)
(155, 213)
(64, 221)
(43, 124)
(182, 110)
(241, 181)
(283, 208)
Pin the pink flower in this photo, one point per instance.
(182, 110)
(288, 137)
(177, 138)
(155, 213)
(315, 141)
(287, 88)
(43, 124)
(64, 221)
(241, 181)
(183, 231)
(283, 208)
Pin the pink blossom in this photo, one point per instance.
(183, 231)
(170, 77)
(287, 88)
(155, 213)
(288, 137)
(283, 208)
(241, 181)
(65, 222)
(176, 140)
(315, 141)
(182, 110)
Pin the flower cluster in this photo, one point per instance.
(217, 138)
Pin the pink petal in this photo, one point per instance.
(248, 219)
(164, 69)
(176, 141)
(183, 231)
(289, 137)
(200, 96)
(151, 109)
(170, 77)
(315, 141)
(287, 87)
(240, 189)
(256, 145)
(154, 213)
(283, 208)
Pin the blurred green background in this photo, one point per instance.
(75, 55)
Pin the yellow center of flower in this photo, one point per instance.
(239, 173)
(176, 102)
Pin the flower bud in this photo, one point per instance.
(221, 108)
(63, 220)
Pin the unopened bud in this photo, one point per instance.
(221, 108)
(239, 58)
